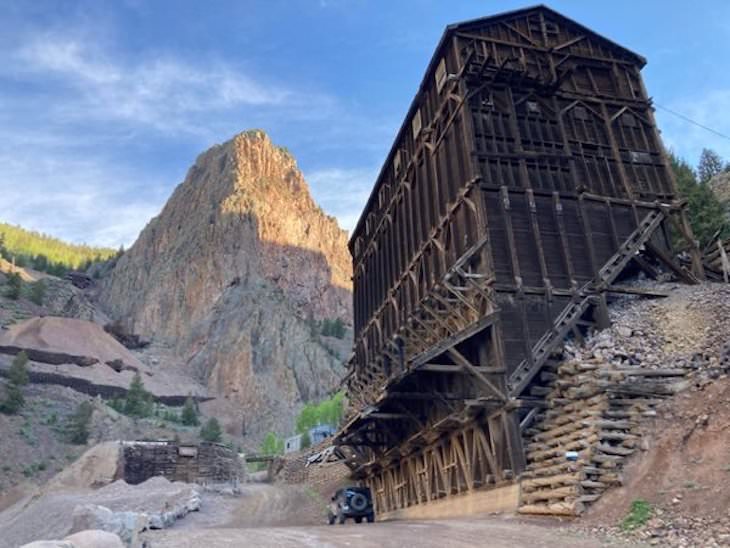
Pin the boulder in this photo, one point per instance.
(94, 538)
(49, 544)
(127, 525)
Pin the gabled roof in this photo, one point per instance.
(448, 33)
(480, 21)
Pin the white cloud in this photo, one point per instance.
(68, 141)
(83, 201)
(342, 192)
(160, 91)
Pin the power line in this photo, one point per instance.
(691, 121)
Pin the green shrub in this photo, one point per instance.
(272, 445)
(189, 414)
(13, 401)
(639, 514)
(333, 328)
(117, 404)
(38, 292)
(328, 411)
(211, 431)
(706, 214)
(171, 416)
(15, 285)
(78, 424)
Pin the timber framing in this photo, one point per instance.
(527, 177)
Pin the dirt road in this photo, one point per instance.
(292, 515)
(491, 531)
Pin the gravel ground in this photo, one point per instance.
(492, 531)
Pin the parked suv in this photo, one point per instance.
(351, 502)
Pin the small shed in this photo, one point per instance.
(293, 444)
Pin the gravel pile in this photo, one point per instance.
(690, 329)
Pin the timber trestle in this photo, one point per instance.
(526, 180)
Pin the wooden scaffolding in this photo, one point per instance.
(527, 176)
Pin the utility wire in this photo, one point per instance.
(691, 121)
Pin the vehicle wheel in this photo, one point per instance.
(358, 502)
(371, 518)
(331, 519)
(358, 519)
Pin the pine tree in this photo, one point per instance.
(15, 284)
(13, 401)
(17, 378)
(710, 165)
(78, 425)
(138, 402)
(18, 372)
(211, 431)
(189, 414)
(706, 214)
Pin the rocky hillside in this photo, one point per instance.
(233, 275)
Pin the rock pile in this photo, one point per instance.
(119, 508)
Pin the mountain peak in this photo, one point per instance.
(232, 272)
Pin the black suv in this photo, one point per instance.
(351, 502)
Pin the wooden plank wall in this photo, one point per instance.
(530, 154)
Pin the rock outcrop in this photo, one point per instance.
(234, 273)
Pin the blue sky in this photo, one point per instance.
(105, 104)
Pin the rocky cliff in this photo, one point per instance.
(232, 275)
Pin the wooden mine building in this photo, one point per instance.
(527, 176)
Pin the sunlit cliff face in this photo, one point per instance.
(232, 276)
(269, 184)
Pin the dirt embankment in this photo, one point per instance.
(683, 473)
(683, 467)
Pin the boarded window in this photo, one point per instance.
(397, 163)
(640, 157)
(628, 120)
(580, 113)
(441, 75)
(416, 123)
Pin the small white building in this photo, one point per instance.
(293, 444)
